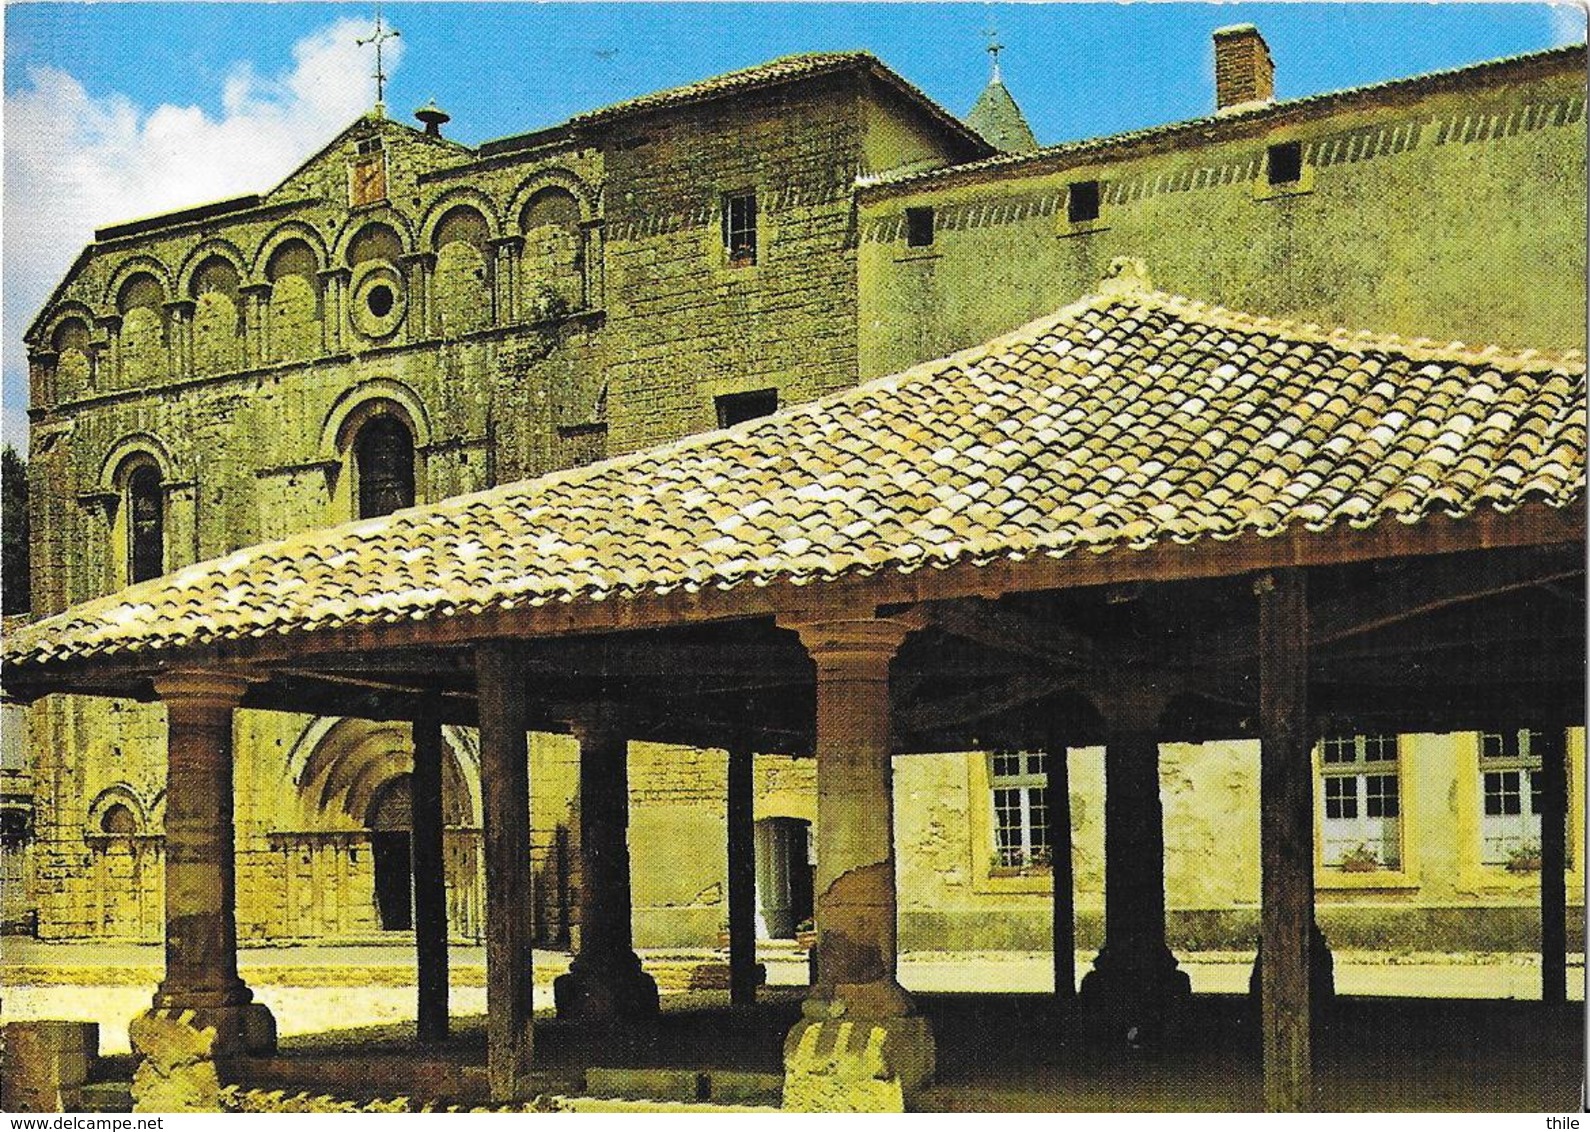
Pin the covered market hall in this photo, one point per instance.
(1138, 520)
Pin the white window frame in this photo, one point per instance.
(1019, 809)
(1354, 772)
(1514, 755)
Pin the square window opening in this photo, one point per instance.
(736, 407)
(1286, 163)
(1082, 202)
(919, 227)
(739, 229)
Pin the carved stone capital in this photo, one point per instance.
(200, 689)
(853, 648)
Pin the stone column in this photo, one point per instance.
(860, 1045)
(201, 878)
(179, 343)
(421, 266)
(1135, 985)
(110, 346)
(593, 281)
(743, 971)
(43, 367)
(605, 980)
(505, 278)
(1553, 863)
(430, 879)
(256, 324)
(505, 800)
(1286, 841)
(333, 294)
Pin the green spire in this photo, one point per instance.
(999, 120)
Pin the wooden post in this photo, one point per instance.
(1553, 864)
(742, 880)
(505, 800)
(1286, 840)
(1065, 923)
(430, 879)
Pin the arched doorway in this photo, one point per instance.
(785, 876)
(391, 833)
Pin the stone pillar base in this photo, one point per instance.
(602, 993)
(856, 1064)
(246, 1029)
(1132, 995)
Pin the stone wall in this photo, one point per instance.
(1450, 210)
(1441, 897)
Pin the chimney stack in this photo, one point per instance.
(1244, 71)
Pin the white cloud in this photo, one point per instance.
(1568, 23)
(74, 162)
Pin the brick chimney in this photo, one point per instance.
(1244, 71)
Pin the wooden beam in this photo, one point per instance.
(505, 801)
(1428, 587)
(980, 703)
(1410, 590)
(1286, 838)
(985, 623)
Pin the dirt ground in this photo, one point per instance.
(1409, 1032)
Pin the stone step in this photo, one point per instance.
(107, 1096)
(358, 1077)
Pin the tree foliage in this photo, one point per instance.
(14, 570)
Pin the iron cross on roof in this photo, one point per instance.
(381, 34)
(991, 33)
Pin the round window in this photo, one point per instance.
(377, 303)
(380, 300)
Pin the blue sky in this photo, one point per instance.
(120, 110)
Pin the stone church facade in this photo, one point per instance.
(405, 319)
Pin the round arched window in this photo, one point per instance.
(146, 524)
(383, 455)
(118, 820)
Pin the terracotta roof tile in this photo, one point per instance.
(1126, 419)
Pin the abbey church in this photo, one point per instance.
(406, 319)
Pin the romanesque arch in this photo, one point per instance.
(141, 341)
(551, 211)
(450, 200)
(462, 281)
(377, 297)
(134, 476)
(135, 445)
(125, 901)
(293, 315)
(70, 336)
(345, 835)
(291, 230)
(214, 284)
(116, 810)
(353, 409)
